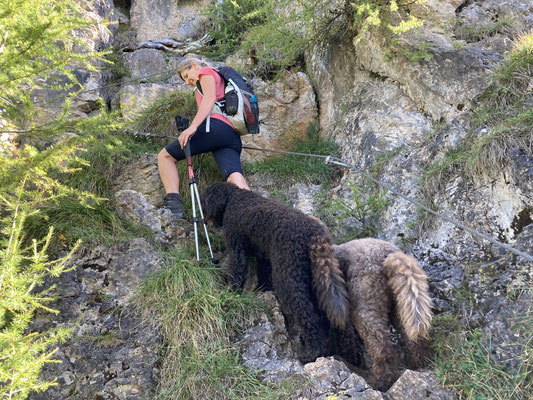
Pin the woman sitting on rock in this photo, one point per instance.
(214, 134)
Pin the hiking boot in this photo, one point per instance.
(172, 202)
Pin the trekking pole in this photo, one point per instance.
(195, 199)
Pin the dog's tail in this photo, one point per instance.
(328, 281)
(409, 284)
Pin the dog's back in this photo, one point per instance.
(389, 266)
(266, 222)
(291, 240)
(379, 276)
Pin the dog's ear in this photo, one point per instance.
(216, 200)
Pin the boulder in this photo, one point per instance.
(142, 176)
(147, 64)
(168, 229)
(418, 385)
(442, 13)
(440, 78)
(167, 19)
(517, 13)
(97, 37)
(134, 98)
(266, 347)
(287, 108)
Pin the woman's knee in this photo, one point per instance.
(162, 155)
(165, 156)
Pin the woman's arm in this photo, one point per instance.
(206, 105)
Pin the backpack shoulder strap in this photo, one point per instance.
(199, 87)
(218, 107)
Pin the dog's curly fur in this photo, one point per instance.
(293, 251)
(383, 281)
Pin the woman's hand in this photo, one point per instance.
(184, 137)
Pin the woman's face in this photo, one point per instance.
(190, 75)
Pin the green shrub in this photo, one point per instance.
(275, 35)
(118, 67)
(282, 39)
(274, 46)
(229, 20)
(391, 16)
(366, 206)
(24, 270)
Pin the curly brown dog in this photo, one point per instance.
(381, 279)
(293, 250)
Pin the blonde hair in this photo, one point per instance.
(186, 64)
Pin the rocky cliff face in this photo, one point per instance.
(412, 112)
(112, 353)
(401, 114)
(404, 114)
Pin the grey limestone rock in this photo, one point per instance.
(145, 63)
(418, 385)
(112, 352)
(168, 229)
(166, 19)
(142, 175)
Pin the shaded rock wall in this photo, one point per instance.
(160, 19)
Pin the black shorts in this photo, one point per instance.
(222, 140)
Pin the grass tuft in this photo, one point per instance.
(475, 33)
(292, 168)
(73, 221)
(90, 176)
(159, 117)
(199, 317)
(465, 364)
(502, 121)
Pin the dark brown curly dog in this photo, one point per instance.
(381, 279)
(292, 249)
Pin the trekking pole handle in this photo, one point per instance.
(187, 150)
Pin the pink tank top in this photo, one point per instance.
(219, 91)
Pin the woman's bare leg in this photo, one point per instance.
(238, 179)
(168, 171)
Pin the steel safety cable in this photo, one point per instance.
(336, 161)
